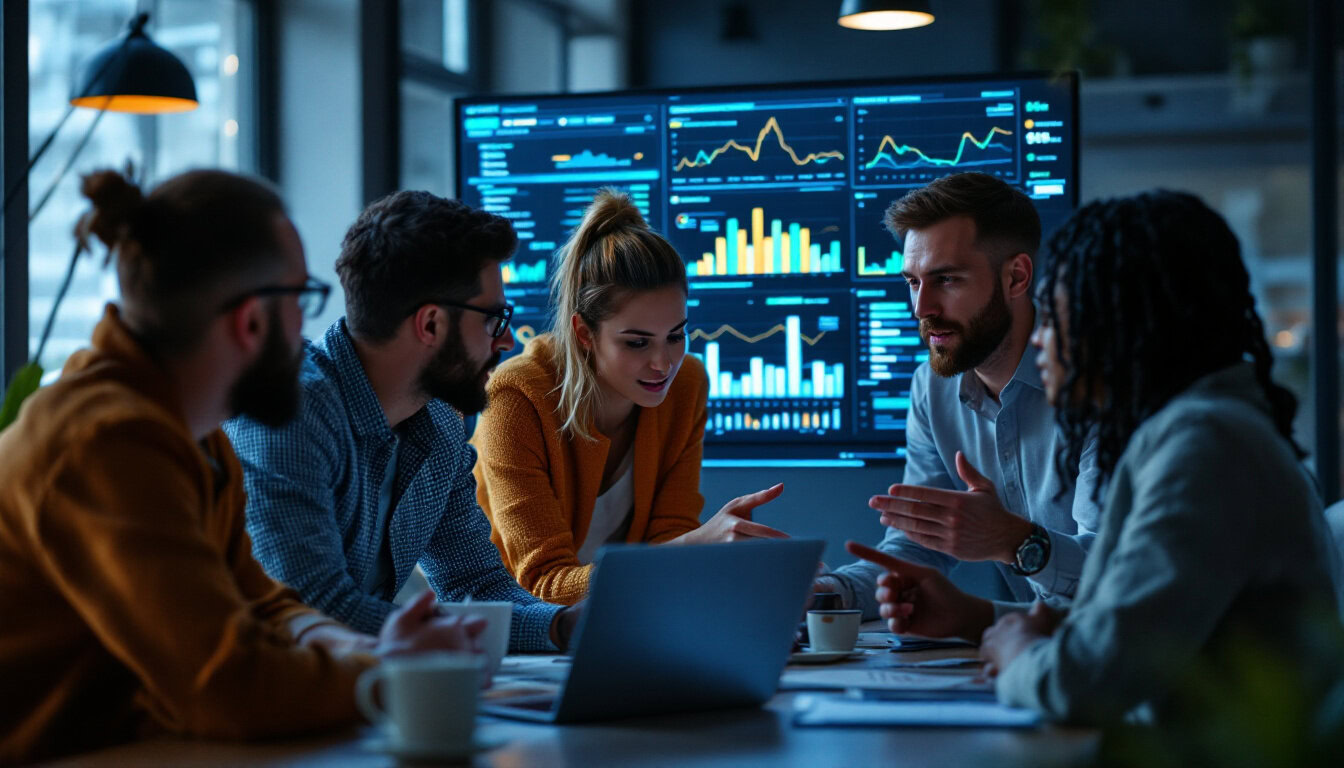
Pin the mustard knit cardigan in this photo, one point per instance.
(538, 487)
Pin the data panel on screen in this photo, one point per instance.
(774, 197)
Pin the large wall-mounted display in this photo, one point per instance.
(774, 196)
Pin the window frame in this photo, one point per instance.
(14, 158)
(13, 165)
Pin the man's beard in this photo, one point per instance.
(268, 390)
(453, 377)
(977, 339)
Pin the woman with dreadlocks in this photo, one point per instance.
(1211, 533)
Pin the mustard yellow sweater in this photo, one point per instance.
(538, 487)
(129, 599)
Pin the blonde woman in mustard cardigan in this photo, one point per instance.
(594, 434)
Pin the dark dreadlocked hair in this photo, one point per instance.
(1157, 297)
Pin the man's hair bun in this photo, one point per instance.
(117, 202)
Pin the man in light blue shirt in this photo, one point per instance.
(981, 482)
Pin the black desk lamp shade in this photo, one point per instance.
(133, 74)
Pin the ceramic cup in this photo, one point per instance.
(426, 703)
(833, 630)
(494, 640)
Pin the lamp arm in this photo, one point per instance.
(137, 24)
(51, 189)
(56, 302)
(41, 150)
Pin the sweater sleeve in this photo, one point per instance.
(131, 554)
(534, 530)
(269, 600)
(1166, 585)
(677, 501)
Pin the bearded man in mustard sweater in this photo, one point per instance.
(131, 601)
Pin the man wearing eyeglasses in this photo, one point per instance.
(130, 603)
(374, 476)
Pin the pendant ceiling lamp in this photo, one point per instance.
(885, 14)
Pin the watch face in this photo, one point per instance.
(1031, 557)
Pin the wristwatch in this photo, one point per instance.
(1033, 553)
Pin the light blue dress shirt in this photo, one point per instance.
(1013, 442)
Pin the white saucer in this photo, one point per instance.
(414, 755)
(819, 657)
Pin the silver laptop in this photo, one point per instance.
(676, 629)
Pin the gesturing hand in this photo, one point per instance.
(416, 628)
(922, 601)
(1014, 633)
(968, 525)
(733, 522)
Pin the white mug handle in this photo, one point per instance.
(364, 694)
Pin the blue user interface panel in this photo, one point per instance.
(774, 197)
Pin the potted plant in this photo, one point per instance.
(1262, 40)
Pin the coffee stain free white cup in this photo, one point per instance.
(426, 703)
(833, 630)
(494, 639)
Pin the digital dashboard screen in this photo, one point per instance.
(774, 197)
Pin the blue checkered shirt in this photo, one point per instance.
(312, 500)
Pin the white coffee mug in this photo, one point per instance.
(494, 639)
(428, 701)
(836, 630)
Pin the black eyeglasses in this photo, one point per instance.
(312, 296)
(496, 320)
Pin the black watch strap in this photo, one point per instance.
(1033, 553)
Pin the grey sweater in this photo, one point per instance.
(1211, 528)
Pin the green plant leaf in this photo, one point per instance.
(24, 383)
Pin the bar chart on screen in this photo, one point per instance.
(877, 255)
(767, 234)
(779, 364)
(793, 379)
(534, 272)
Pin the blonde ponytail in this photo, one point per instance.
(611, 253)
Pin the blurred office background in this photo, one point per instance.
(341, 101)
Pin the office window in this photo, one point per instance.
(1245, 149)
(437, 31)
(214, 39)
(427, 146)
(437, 66)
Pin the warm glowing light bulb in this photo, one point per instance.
(886, 20)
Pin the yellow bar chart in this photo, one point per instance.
(778, 248)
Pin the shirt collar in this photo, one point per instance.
(367, 417)
(366, 413)
(972, 393)
(1027, 372)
